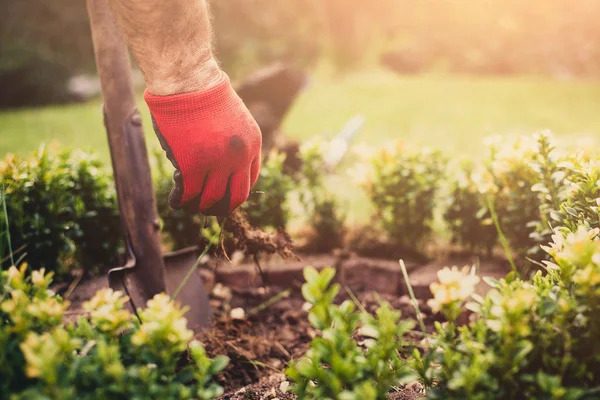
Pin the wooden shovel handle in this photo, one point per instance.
(129, 155)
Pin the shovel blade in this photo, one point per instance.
(192, 295)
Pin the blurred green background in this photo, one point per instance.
(461, 68)
(452, 113)
(439, 73)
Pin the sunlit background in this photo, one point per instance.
(437, 73)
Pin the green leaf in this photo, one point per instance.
(347, 307)
(491, 282)
(557, 216)
(525, 347)
(327, 275)
(305, 368)
(218, 364)
(311, 274)
(319, 317)
(310, 293)
(571, 211)
(346, 395)
(539, 187)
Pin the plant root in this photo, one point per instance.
(254, 242)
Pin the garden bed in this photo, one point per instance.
(273, 327)
(262, 345)
(270, 317)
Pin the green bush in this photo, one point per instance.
(60, 204)
(267, 205)
(63, 214)
(404, 187)
(511, 179)
(101, 241)
(467, 215)
(527, 184)
(506, 180)
(327, 223)
(534, 339)
(580, 204)
(322, 211)
(182, 229)
(109, 354)
(336, 366)
(551, 187)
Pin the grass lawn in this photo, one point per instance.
(448, 112)
(452, 113)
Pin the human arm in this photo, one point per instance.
(204, 127)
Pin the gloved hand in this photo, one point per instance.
(213, 142)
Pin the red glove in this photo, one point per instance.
(213, 142)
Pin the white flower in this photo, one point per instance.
(37, 277)
(454, 286)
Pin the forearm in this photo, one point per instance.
(171, 41)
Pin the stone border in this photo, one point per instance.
(358, 273)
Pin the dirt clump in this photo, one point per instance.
(252, 241)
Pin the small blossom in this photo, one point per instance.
(574, 251)
(162, 321)
(30, 348)
(105, 297)
(37, 277)
(43, 353)
(16, 277)
(106, 311)
(484, 182)
(454, 286)
(522, 299)
(587, 278)
(47, 309)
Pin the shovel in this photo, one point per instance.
(147, 272)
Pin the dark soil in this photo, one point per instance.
(276, 387)
(271, 387)
(263, 344)
(273, 327)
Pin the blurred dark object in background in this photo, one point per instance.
(277, 85)
(42, 43)
(269, 94)
(30, 77)
(403, 61)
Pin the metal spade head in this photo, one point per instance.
(178, 265)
